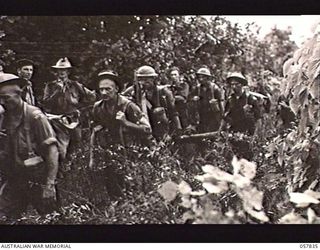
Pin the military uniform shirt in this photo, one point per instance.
(41, 135)
(66, 99)
(101, 116)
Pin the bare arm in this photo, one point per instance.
(52, 163)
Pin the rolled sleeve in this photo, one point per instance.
(49, 141)
(43, 130)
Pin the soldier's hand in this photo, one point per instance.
(49, 199)
(49, 192)
(247, 108)
(246, 89)
(120, 116)
(190, 130)
(60, 84)
(196, 98)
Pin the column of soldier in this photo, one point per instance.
(38, 135)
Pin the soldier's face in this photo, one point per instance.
(236, 86)
(10, 97)
(63, 73)
(175, 76)
(108, 89)
(146, 83)
(25, 72)
(203, 80)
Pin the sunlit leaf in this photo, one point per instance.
(168, 191)
(248, 169)
(312, 193)
(187, 216)
(217, 173)
(292, 218)
(185, 202)
(294, 105)
(215, 189)
(314, 88)
(241, 181)
(287, 66)
(251, 197)
(260, 215)
(184, 188)
(302, 198)
(198, 193)
(311, 215)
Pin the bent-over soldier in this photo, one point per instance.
(29, 162)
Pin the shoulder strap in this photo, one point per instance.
(126, 104)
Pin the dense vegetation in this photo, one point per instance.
(183, 183)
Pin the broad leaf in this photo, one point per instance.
(244, 167)
(217, 173)
(184, 188)
(302, 198)
(292, 218)
(168, 191)
(215, 189)
(186, 202)
(311, 216)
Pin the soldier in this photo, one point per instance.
(206, 103)
(180, 90)
(64, 97)
(242, 108)
(156, 102)
(29, 162)
(25, 70)
(242, 112)
(116, 121)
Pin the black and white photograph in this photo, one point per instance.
(159, 119)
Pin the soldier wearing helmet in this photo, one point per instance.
(118, 119)
(206, 102)
(156, 102)
(117, 123)
(29, 162)
(64, 96)
(242, 112)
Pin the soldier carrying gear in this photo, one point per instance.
(242, 108)
(156, 102)
(180, 90)
(64, 97)
(116, 119)
(242, 112)
(206, 103)
(29, 163)
(118, 123)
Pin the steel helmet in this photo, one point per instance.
(204, 71)
(62, 63)
(146, 71)
(108, 74)
(238, 76)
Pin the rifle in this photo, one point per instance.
(197, 137)
(137, 90)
